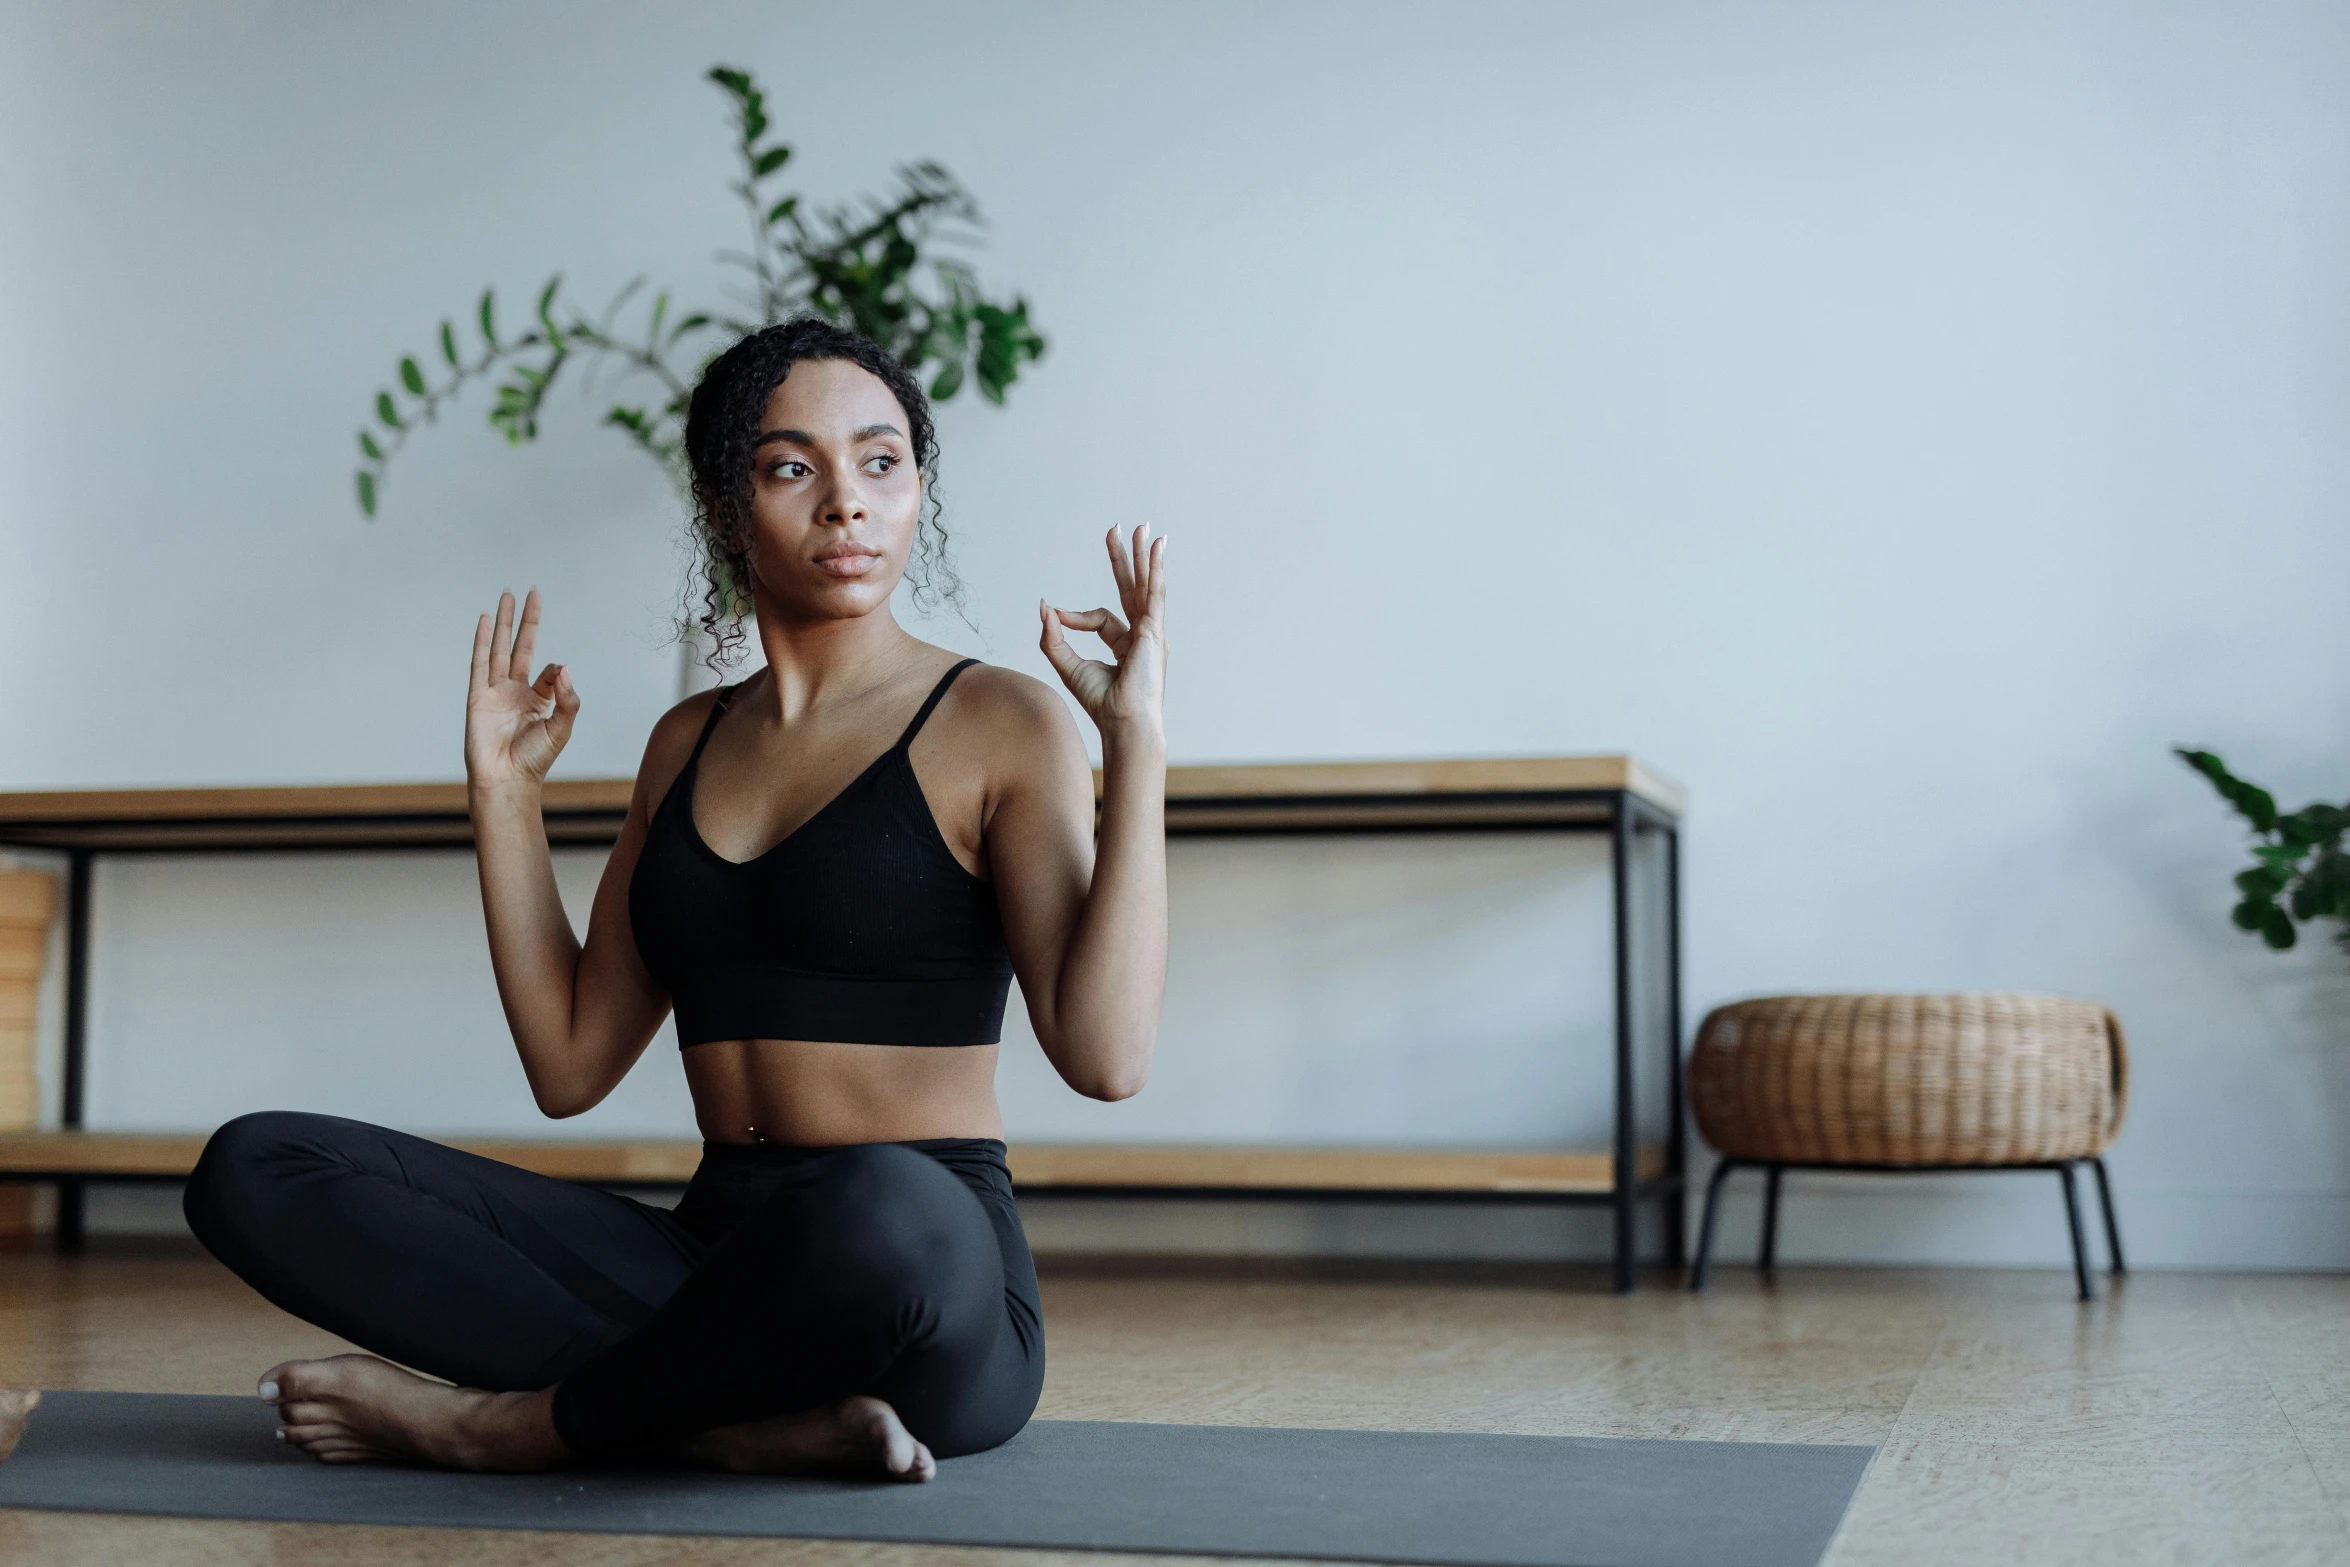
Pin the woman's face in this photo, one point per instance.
(835, 493)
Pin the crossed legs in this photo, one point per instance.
(855, 1314)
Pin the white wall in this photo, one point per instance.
(1899, 423)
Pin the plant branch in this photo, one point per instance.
(2300, 871)
(878, 268)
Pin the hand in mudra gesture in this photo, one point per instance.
(514, 727)
(1128, 693)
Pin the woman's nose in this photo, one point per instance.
(844, 505)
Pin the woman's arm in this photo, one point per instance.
(1086, 911)
(580, 1016)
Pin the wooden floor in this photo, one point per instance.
(2185, 1419)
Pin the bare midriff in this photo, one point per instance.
(815, 1094)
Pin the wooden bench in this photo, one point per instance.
(1068, 1168)
(1615, 796)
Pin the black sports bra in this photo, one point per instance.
(861, 926)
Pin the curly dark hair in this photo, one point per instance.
(721, 433)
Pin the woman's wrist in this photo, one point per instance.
(1135, 741)
(519, 791)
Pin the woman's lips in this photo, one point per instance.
(847, 563)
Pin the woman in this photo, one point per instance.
(835, 919)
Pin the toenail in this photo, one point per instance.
(281, 1433)
(269, 1392)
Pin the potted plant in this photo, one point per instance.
(890, 266)
(2299, 871)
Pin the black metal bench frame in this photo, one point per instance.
(1619, 812)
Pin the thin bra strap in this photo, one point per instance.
(936, 692)
(717, 711)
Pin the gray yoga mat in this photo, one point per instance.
(1389, 1496)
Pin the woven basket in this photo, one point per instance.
(1894, 1080)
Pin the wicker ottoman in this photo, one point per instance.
(1909, 1083)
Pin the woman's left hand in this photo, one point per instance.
(1126, 696)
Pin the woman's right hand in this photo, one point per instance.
(514, 727)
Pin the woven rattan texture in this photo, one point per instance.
(1964, 1079)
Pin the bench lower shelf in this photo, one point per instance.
(1180, 1167)
(1140, 1168)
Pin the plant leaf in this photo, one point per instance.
(2325, 889)
(2263, 881)
(2278, 930)
(367, 445)
(2332, 820)
(783, 209)
(749, 102)
(489, 323)
(769, 161)
(412, 377)
(2256, 805)
(2296, 833)
(367, 492)
(449, 344)
(386, 411)
(2311, 825)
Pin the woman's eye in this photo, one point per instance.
(789, 468)
(880, 464)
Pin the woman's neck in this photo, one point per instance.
(820, 661)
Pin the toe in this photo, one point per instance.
(278, 1381)
(310, 1433)
(901, 1455)
(320, 1441)
(309, 1379)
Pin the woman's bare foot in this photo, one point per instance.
(856, 1434)
(356, 1409)
(16, 1408)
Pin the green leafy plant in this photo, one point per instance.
(887, 266)
(2299, 869)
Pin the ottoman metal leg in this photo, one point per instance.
(2072, 1214)
(1705, 1226)
(1768, 1257)
(2113, 1229)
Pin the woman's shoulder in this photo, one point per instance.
(671, 742)
(682, 725)
(1017, 730)
(1006, 696)
(1016, 718)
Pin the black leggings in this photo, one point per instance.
(786, 1279)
